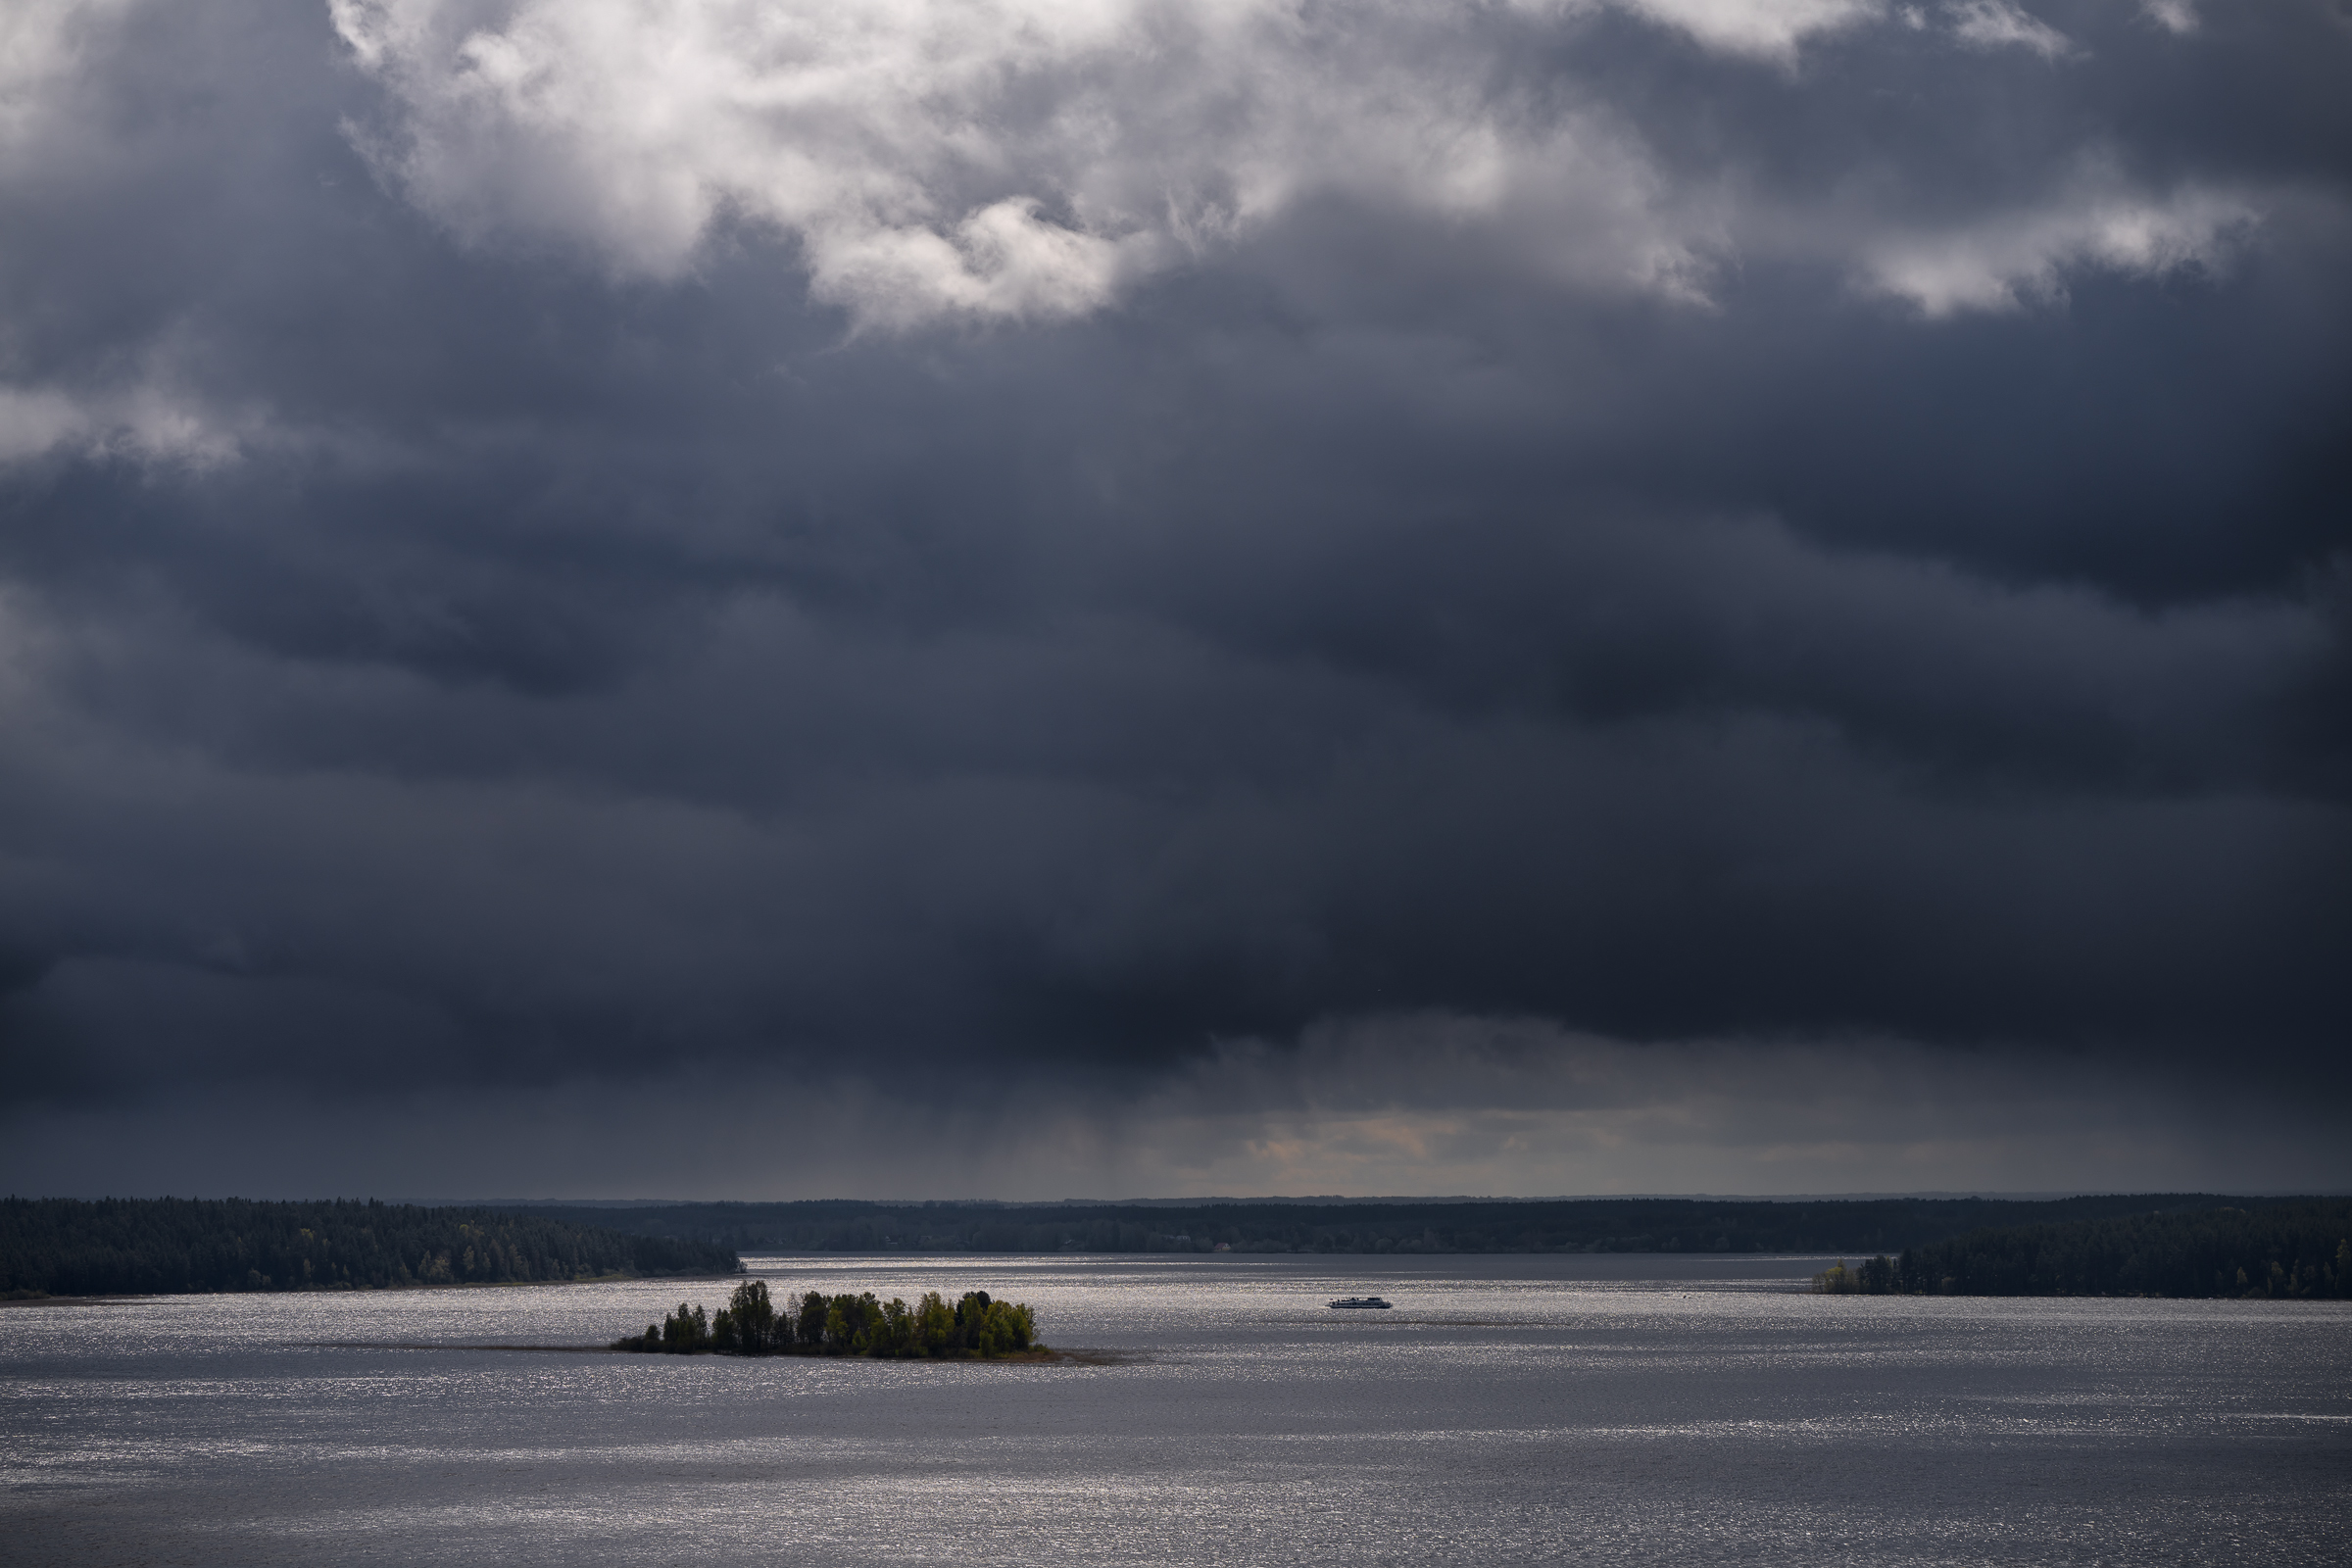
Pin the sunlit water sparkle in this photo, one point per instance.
(1512, 1410)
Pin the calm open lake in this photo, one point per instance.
(1512, 1410)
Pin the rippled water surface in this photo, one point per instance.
(1512, 1410)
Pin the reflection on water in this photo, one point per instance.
(1512, 1410)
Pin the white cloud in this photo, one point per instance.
(993, 159)
(1766, 29)
(149, 422)
(2011, 258)
(41, 44)
(2172, 16)
(34, 420)
(2000, 25)
(1030, 160)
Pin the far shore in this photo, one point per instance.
(360, 1289)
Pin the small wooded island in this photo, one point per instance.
(975, 1328)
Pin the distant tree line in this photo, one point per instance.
(1579, 1225)
(67, 1246)
(751, 1323)
(2286, 1250)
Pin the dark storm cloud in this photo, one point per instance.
(1766, 526)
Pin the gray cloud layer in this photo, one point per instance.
(927, 551)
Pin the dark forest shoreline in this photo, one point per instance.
(60, 1251)
(56, 1246)
(2288, 1250)
(112, 1298)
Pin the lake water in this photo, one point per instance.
(1512, 1410)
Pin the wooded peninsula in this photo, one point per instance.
(751, 1323)
(2291, 1250)
(171, 1246)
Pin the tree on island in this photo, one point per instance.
(750, 1324)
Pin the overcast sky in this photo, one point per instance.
(1037, 598)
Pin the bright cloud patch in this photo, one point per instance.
(1028, 160)
(145, 422)
(2013, 259)
(1005, 159)
(34, 421)
(1767, 29)
(1999, 25)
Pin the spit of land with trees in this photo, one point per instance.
(2294, 1251)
